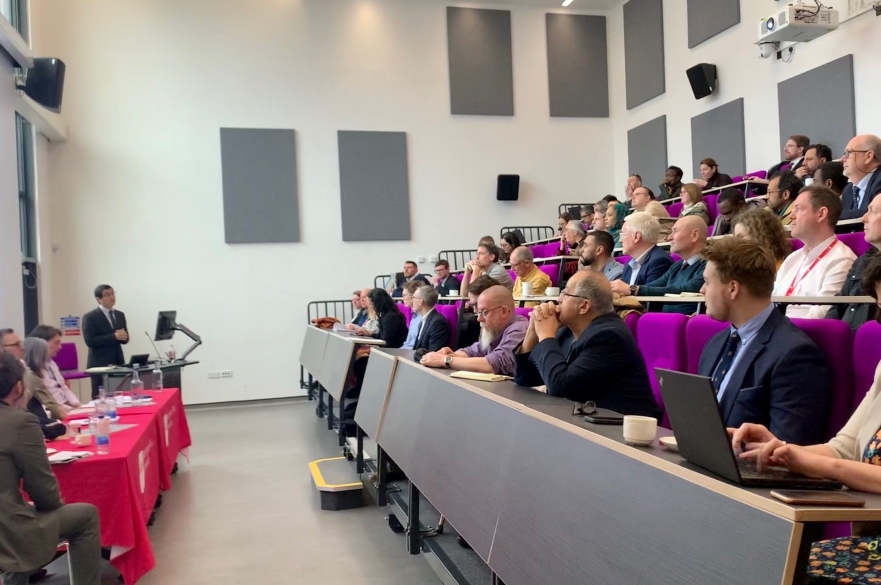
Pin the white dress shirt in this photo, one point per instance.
(824, 280)
(107, 312)
(54, 382)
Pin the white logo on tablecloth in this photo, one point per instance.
(168, 421)
(143, 465)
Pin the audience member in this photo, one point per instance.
(580, 349)
(31, 532)
(411, 273)
(762, 226)
(783, 188)
(446, 284)
(526, 271)
(644, 200)
(815, 155)
(573, 236)
(486, 261)
(599, 215)
(501, 332)
(672, 185)
(711, 178)
(586, 214)
(434, 330)
(391, 323)
(468, 329)
(563, 221)
(639, 239)
(693, 202)
(633, 181)
(793, 154)
(415, 318)
(861, 160)
(831, 176)
(369, 317)
(615, 216)
(509, 242)
(689, 238)
(856, 315)
(596, 254)
(359, 312)
(610, 199)
(10, 342)
(764, 368)
(36, 358)
(105, 332)
(820, 267)
(730, 203)
(52, 378)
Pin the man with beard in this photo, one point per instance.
(501, 332)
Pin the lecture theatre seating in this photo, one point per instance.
(661, 339)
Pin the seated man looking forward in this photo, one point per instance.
(639, 240)
(596, 255)
(434, 329)
(501, 331)
(582, 350)
(527, 271)
(486, 261)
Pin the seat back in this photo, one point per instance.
(712, 207)
(856, 241)
(676, 257)
(835, 340)
(661, 339)
(796, 244)
(553, 272)
(866, 355)
(513, 275)
(631, 321)
(523, 311)
(551, 249)
(67, 359)
(408, 313)
(758, 174)
(451, 314)
(623, 259)
(674, 209)
(698, 332)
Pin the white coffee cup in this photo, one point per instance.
(640, 430)
(527, 289)
(552, 291)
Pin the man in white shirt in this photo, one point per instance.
(820, 267)
(639, 238)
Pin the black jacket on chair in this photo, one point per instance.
(393, 329)
(435, 333)
(851, 209)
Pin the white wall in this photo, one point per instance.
(11, 305)
(137, 187)
(741, 74)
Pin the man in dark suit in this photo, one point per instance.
(434, 331)
(410, 273)
(593, 356)
(764, 368)
(105, 332)
(29, 534)
(793, 153)
(639, 238)
(861, 160)
(445, 283)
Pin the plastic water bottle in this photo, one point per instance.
(137, 387)
(157, 377)
(102, 438)
(109, 406)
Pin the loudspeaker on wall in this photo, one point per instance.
(508, 188)
(45, 83)
(702, 78)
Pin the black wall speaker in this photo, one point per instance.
(508, 188)
(45, 83)
(702, 78)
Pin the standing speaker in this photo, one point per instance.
(45, 83)
(702, 78)
(508, 188)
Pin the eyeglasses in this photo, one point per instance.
(584, 408)
(484, 313)
(566, 294)
(849, 152)
(14, 344)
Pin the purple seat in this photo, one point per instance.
(796, 244)
(758, 174)
(451, 314)
(674, 209)
(710, 230)
(712, 207)
(68, 362)
(623, 259)
(835, 340)
(676, 257)
(408, 314)
(513, 275)
(553, 271)
(737, 179)
(856, 241)
(786, 167)
(631, 321)
(537, 250)
(523, 311)
(698, 332)
(661, 340)
(866, 355)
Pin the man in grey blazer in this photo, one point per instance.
(29, 534)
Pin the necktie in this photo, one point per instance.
(727, 359)
(856, 197)
(112, 320)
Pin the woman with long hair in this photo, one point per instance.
(392, 325)
(510, 241)
(36, 356)
(693, 202)
(762, 226)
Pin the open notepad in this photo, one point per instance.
(685, 294)
(480, 377)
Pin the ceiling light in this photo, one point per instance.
(567, 2)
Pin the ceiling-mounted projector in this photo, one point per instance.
(798, 23)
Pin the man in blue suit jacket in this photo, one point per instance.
(861, 160)
(593, 356)
(639, 238)
(764, 368)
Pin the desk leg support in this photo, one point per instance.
(310, 388)
(414, 540)
(302, 377)
(359, 456)
(319, 408)
(496, 580)
(381, 478)
(811, 533)
(330, 415)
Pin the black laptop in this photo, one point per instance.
(139, 360)
(703, 440)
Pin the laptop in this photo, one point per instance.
(139, 360)
(702, 438)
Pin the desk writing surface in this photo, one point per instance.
(312, 352)
(403, 413)
(374, 391)
(338, 356)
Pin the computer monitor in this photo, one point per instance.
(166, 324)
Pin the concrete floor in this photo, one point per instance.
(244, 510)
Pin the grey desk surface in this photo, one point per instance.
(312, 351)
(339, 352)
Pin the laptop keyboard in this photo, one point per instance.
(748, 470)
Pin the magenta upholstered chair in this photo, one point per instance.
(856, 241)
(68, 362)
(513, 275)
(737, 179)
(676, 257)
(553, 271)
(623, 259)
(523, 311)
(451, 314)
(786, 167)
(796, 244)
(758, 174)
(674, 209)
(698, 332)
(408, 314)
(537, 250)
(712, 207)
(710, 230)
(835, 340)
(631, 321)
(661, 339)
(866, 355)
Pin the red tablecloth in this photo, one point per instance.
(171, 427)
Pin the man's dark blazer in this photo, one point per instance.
(393, 328)
(401, 280)
(784, 382)
(847, 198)
(104, 348)
(603, 365)
(854, 315)
(656, 265)
(776, 168)
(718, 180)
(449, 287)
(676, 281)
(434, 334)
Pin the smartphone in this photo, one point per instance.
(605, 419)
(825, 498)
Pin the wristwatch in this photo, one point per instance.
(634, 289)
(447, 361)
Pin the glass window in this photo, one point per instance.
(16, 12)
(27, 208)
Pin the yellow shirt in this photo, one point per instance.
(539, 281)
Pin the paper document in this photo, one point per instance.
(67, 456)
(480, 377)
(685, 294)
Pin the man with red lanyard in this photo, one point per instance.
(820, 267)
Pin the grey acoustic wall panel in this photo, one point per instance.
(820, 104)
(259, 169)
(578, 71)
(718, 134)
(481, 61)
(647, 151)
(707, 18)
(374, 186)
(643, 50)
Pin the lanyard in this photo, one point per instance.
(797, 280)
